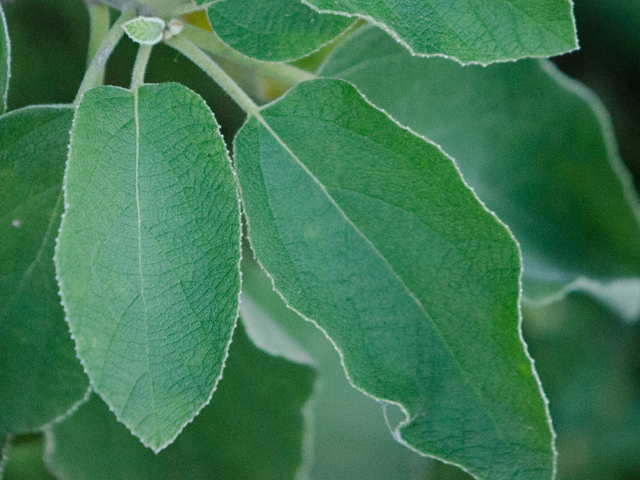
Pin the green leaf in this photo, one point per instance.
(145, 30)
(252, 429)
(470, 31)
(273, 30)
(40, 376)
(5, 61)
(148, 253)
(368, 230)
(537, 147)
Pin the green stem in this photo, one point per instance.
(212, 69)
(137, 78)
(93, 76)
(211, 43)
(99, 24)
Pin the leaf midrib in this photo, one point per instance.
(139, 218)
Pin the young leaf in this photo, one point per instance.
(479, 32)
(537, 147)
(252, 429)
(369, 231)
(40, 376)
(148, 253)
(5, 61)
(145, 30)
(274, 30)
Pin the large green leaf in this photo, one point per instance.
(537, 148)
(40, 376)
(368, 230)
(148, 253)
(273, 30)
(479, 31)
(253, 428)
(5, 61)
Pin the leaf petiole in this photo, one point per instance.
(93, 76)
(142, 59)
(99, 25)
(211, 68)
(211, 43)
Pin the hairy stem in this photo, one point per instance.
(137, 78)
(98, 28)
(211, 68)
(93, 76)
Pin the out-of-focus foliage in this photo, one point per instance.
(588, 360)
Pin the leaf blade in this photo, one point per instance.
(274, 30)
(518, 132)
(340, 180)
(148, 257)
(40, 376)
(471, 32)
(259, 397)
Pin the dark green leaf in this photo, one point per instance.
(273, 30)
(253, 428)
(5, 61)
(470, 31)
(148, 253)
(40, 376)
(536, 147)
(368, 230)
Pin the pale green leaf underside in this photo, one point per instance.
(536, 147)
(148, 253)
(5, 61)
(273, 30)
(267, 335)
(368, 230)
(253, 428)
(145, 30)
(40, 376)
(479, 31)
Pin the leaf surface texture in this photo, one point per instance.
(148, 253)
(273, 30)
(537, 147)
(478, 31)
(369, 231)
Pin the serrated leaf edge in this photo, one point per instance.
(161, 447)
(396, 433)
(392, 33)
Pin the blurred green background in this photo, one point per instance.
(588, 360)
